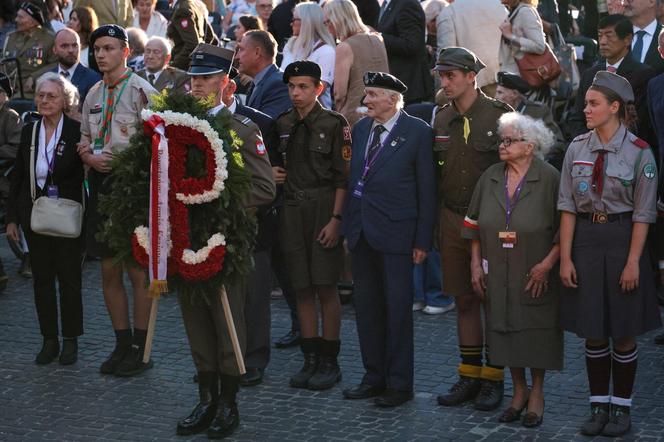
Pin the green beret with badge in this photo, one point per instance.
(454, 58)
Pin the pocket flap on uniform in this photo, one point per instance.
(441, 142)
(320, 145)
(582, 168)
(621, 171)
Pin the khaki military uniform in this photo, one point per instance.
(126, 115)
(170, 78)
(206, 328)
(187, 28)
(316, 151)
(598, 309)
(465, 146)
(34, 51)
(10, 137)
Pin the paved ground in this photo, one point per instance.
(77, 403)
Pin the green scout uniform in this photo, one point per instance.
(131, 97)
(34, 51)
(316, 151)
(187, 28)
(521, 331)
(465, 146)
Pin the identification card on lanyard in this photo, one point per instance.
(368, 163)
(508, 237)
(52, 189)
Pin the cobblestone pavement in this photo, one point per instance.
(78, 403)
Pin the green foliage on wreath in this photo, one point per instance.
(128, 203)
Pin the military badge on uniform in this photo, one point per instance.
(184, 23)
(582, 187)
(346, 153)
(260, 147)
(346, 133)
(649, 171)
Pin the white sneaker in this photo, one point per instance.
(431, 310)
(418, 305)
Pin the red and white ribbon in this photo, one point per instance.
(159, 230)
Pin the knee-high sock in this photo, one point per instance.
(471, 360)
(624, 372)
(598, 366)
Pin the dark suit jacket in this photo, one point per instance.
(67, 171)
(656, 107)
(653, 59)
(170, 78)
(397, 209)
(403, 30)
(270, 96)
(83, 78)
(638, 75)
(264, 122)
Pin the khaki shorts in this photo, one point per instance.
(302, 219)
(455, 255)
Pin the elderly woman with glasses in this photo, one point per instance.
(58, 173)
(512, 222)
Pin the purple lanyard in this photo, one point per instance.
(370, 160)
(509, 207)
(50, 162)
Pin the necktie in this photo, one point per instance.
(611, 69)
(65, 74)
(375, 140)
(383, 7)
(638, 46)
(151, 79)
(250, 91)
(598, 173)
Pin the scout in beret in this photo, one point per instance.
(465, 145)
(110, 114)
(314, 153)
(607, 200)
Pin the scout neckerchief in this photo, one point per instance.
(598, 173)
(110, 103)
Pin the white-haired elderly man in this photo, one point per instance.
(157, 70)
(388, 221)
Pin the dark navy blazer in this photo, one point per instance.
(83, 78)
(270, 95)
(398, 205)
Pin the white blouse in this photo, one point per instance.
(156, 27)
(46, 150)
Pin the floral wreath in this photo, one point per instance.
(175, 204)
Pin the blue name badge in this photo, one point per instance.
(52, 191)
(357, 192)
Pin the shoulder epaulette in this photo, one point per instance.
(246, 121)
(501, 105)
(284, 113)
(638, 142)
(581, 137)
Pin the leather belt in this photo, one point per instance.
(603, 218)
(304, 194)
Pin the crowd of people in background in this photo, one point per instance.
(412, 146)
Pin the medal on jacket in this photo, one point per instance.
(508, 237)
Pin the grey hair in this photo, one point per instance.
(69, 91)
(531, 130)
(399, 97)
(137, 39)
(165, 43)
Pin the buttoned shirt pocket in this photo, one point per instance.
(441, 146)
(582, 173)
(620, 174)
(320, 153)
(486, 149)
(124, 126)
(94, 124)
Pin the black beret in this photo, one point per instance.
(512, 81)
(209, 59)
(453, 58)
(384, 80)
(33, 11)
(114, 31)
(5, 85)
(302, 68)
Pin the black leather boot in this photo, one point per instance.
(464, 390)
(309, 348)
(123, 340)
(69, 354)
(202, 415)
(49, 351)
(227, 418)
(328, 372)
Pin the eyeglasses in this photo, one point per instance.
(507, 142)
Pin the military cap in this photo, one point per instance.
(455, 58)
(615, 83)
(512, 81)
(33, 11)
(384, 80)
(208, 59)
(5, 85)
(302, 68)
(113, 31)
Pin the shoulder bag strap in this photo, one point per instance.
(32, 162)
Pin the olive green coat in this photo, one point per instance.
(535, 219)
